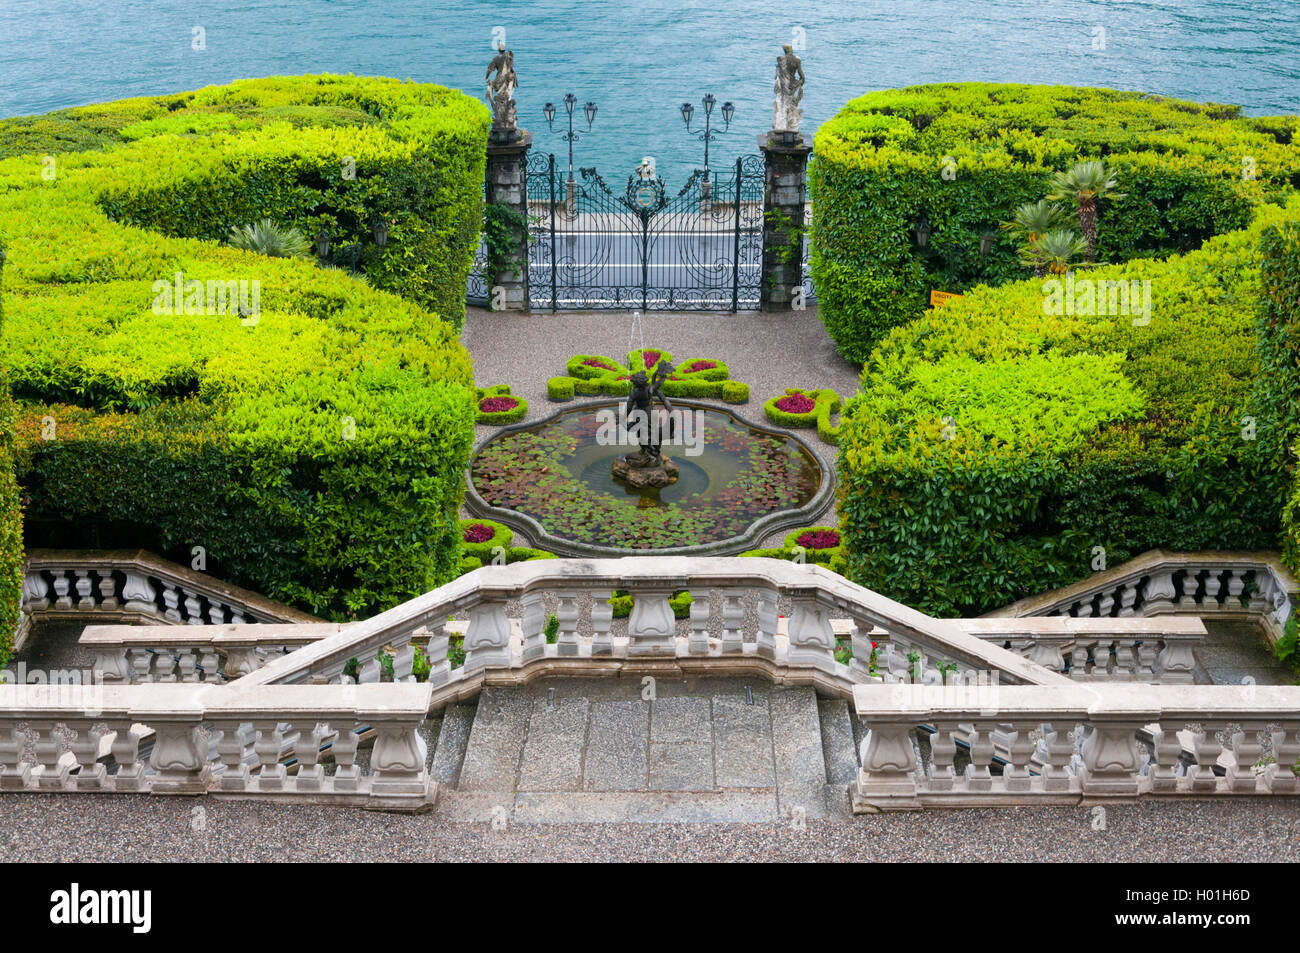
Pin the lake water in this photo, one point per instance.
(638, 62)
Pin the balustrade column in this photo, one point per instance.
(233, 749)
(888, 775)
(698, 641)
(812, 638)
(532, 624)
(84, 735)
(1110, 761)
(602, 622)
(652, 627)
(487, 639)
(768, 619)
(398, 759)
(1280, 777)
(180, 765)
(306, 749)
(15, 770)
(125, 748)
(733, 621)
(566, 641)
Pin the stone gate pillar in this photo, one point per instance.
(785, 186)
(507, 175)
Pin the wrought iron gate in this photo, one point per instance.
(592, 246)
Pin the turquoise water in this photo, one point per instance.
(639, 61)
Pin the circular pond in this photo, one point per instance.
(737, 482)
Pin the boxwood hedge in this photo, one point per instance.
(965, 155)
(313, 446)
(996, 451)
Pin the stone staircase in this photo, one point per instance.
(571, 750)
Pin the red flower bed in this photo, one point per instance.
(478, 533)
(651, 358)
(819, 539)
(796, 404)
(494, 405)
(702, 365)
(597, 362)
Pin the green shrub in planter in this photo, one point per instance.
(560, 388)
(500, 394)
(552, 629)
(469, 564)
(622, 603)
(475, 541)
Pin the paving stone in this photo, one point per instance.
(552, 759)
(797, 743)
(496, 741)
(680, 719)
(742, 742)
(717, 807)
(681, 766)
(453, 736)
(617, 740)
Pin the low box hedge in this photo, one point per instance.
(499, 393)
(594, 375)
(825, 403)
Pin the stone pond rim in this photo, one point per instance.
(752, 538)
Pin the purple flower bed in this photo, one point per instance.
(796, 404)
(478, 533)
(494, 405)
(819, 539)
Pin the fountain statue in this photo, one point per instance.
(501, 95)
(786, 110)
(648, 467)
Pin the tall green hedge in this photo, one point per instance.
(1276, 405)
(11, 517)
(315, 451)
(993, 448)
(883, 161)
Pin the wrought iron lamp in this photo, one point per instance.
(323, 244)
(709, 133)
(380, 227)
(986, 244)
(570, 103)
(922, 230)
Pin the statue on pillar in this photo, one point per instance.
(501, 94)
(787, 112)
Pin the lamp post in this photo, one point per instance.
(986, 243)
(709, 133)
(589, 110)
(922, 231)
(380, 227)
(323, 245)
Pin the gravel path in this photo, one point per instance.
(769, 352)
(52, 827)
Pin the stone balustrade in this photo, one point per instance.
(219, 740)
(1253, 586)
(1051, 744)
(138, 587)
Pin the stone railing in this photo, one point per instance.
(222, 740)
(1099, 649)
(1254, 586)
(1040, 744)
(502, 648)
(138, 587)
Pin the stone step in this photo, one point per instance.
(574, 751)
(453, 737)
(840, 752)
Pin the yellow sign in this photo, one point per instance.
(939, 298)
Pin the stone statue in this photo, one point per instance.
(786, 111)
(501, 93)
(648, 467)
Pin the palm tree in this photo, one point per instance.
(1034, 219)
(1086, 184)
(1054, 251)
(268, 238)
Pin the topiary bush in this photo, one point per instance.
(497, 407)
(996, 452)
(623, 602)
(962, 156)
(308, 430)
(480, 537)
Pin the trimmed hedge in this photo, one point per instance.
(313, 447)
(1276, 400)
(966, 154)
(623, 601)
(11, 515)
(825, 403)
(502, 536)
(594, 375)
(499, 417)
(994, 448)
